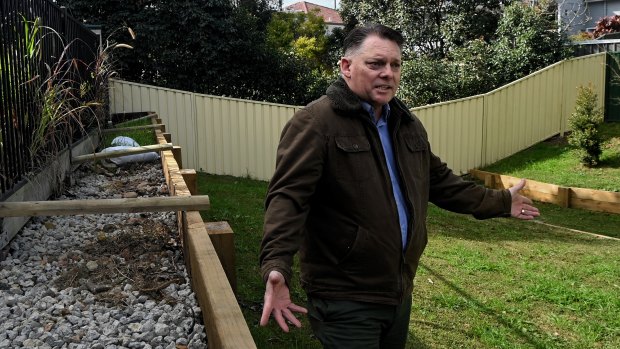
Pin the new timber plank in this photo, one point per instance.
(224, 322)
(76, 207)
(588, 199)
(226, 327)
(117, 153)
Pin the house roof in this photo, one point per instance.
(330, 16)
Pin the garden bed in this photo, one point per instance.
(100, 281)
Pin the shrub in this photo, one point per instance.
(584, 124)
(607, 25)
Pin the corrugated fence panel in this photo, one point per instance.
(518, 114)
(581, 72)
(536, 107)
(455, 131)
(239, 137)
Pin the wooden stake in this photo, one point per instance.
(118, 153)
(564, 196)
(223, 240)
(176, 152)
(167, 137)
(191, 180)
(489, 180)
(99, 206)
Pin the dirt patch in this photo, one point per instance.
(557, 140)
(141, 252)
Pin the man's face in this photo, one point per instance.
(373, 72)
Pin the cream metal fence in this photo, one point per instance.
(472, 132)
(217, 135)
(239, 137)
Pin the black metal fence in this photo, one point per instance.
(44, 52)
(595, 46)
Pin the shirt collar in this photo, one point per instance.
(385, 112)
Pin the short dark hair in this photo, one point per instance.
(357, 36)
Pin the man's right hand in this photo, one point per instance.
(278, 302)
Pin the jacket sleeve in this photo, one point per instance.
(453, 193)
(299, 165)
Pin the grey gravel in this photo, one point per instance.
(34, 313)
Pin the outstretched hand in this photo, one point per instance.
(278, 302)
(521, 206)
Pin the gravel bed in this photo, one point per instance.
(100, 281)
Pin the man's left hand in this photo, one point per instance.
(521, 206)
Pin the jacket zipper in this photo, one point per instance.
(403, 183)
(376, 139)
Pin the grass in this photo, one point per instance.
(554, 161)
(499, 283)
(143, 137)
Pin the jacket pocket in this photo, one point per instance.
(368, 257)
(415, 143)
(352, 158)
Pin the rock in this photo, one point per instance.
(161, 329)
(92, 265)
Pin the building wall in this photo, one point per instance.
(583, 15)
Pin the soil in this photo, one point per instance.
(140, 251)
(557, 140)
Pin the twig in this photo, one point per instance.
(125, 276)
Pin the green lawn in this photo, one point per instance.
(143, 137)
(499, 283)
(554, 162)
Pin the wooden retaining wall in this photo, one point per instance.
(587, 199)
(225, 325)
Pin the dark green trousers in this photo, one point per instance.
(359, 325)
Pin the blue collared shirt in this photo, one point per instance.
(386, 143)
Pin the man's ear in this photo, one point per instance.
(345, 67)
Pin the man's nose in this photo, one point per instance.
(386, 71)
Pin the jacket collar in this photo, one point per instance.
(345, 102)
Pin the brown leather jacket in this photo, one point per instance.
(331, 198)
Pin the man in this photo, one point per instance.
(353, 179)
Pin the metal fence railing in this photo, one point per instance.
(43, 50)
(589, 47)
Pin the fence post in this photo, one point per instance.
(563, 98)
(65, 19)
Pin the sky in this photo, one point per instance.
(326, 3)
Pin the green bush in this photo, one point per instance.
(584, 125)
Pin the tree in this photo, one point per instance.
(418, 20)
(527, 40)
(431, 28)
(300, 34)
(472, 20)
(461, 48)
(205, 46)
